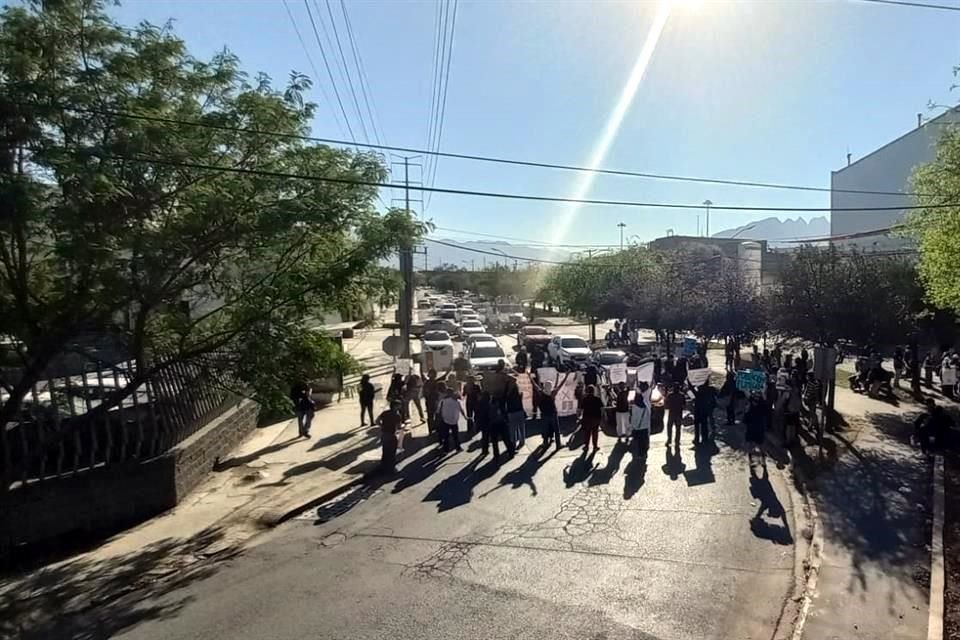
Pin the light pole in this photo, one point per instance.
(622, 226)
(707, 204)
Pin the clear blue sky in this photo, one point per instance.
(770, 90)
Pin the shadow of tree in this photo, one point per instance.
(874, 497)
(91, 599)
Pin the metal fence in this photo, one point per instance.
(60, 431)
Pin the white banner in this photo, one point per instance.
(526, 388)
(645, 373)
(548, 374)
(698, 376)
(617, 372)
(567, 398)
(948, 376)
(402, 366)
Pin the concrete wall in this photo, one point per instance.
(110, 498)
(889, 168)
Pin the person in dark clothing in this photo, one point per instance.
(305, 408)
(395, 390)
(765, 360)
(680, 371)
(411, 393)
(729, 392)
(390, 422)
(431, 397)
(592, 407)
(898, 366)
(622, 409)
(548, 410)
(728, 355)
(497, 427)
(536, 358)
(705, 401)
(471, 400)
(756, 419)
(668, 370)
(676, 400)
(803, 363)
(931, 429)
(366, 391)
(522, 359)
(591, 376)
(657, 369)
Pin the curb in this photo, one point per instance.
(796, 606)
(937, 579)
(270, 518)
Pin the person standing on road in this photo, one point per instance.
(592, 407)
(461, 366)
(756, 420)
(516, 417)
(366, 391)
(676, 400)
(898, 366)
(522, 359)
(548, 410)
(390, 421)
(432, 397)
(449, 413)
(705, 401)
(640, 415)
(668, 370)
(472, 400)
(729, 392)
(395, 390)
(728, 355)
(499, 430)
(622, 406)
(412, 394)
(305, 409)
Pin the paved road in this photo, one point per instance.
(560, 546)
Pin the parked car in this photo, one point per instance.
(566, 349)
(606, 357)
(470, 326)
(533, 334)
(473, 338)
(441, 324)
(484, 356)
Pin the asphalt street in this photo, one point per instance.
(548, 544)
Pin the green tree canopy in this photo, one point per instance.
(184, 243)
(936, 227)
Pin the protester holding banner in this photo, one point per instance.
(548, 410)
(592, 416)
(728, 392)
(640, 414)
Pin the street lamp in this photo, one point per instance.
(707, 204)
(622, 226)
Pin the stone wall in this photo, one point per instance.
(105, 500)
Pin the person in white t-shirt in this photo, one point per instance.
(449, 413)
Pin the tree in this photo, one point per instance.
(826, 295)
(731, 307)
(937, 227)
(183, 243)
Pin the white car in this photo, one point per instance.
(471, 326)
(473, 338)
(437, 341)
(448, 310)
(440, 324)
(568, 349)
(485, 356)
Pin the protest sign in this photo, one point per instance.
(566, 398)
(645, 373)
(698, 376)
(617, 372)
(689, 347)
(749, 380)
(526, 388)
(402, 366)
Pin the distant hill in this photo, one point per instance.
(774, 229)
(467, 254)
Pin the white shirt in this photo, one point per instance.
(450, 410)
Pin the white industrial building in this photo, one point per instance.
(888, 169)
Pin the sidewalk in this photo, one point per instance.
(874, 498)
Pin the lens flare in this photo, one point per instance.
(612, 127)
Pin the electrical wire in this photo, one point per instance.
(346, 72)
(443, 103)
(313, 67)
(538, 243)
(364, 81)
(326, 63)
(915, 5)
(491, 194)
(435, 79)
(478, 158)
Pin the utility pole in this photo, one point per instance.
(707, 204)
(622, 226)
(406, 272)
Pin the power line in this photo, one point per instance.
(916, 5)
(509, 196)
(478, 158)
(326, 63)
(538, 243)
(364, 82)
(316, 73)
(434, 93)
(443, 103)
(346, 71)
